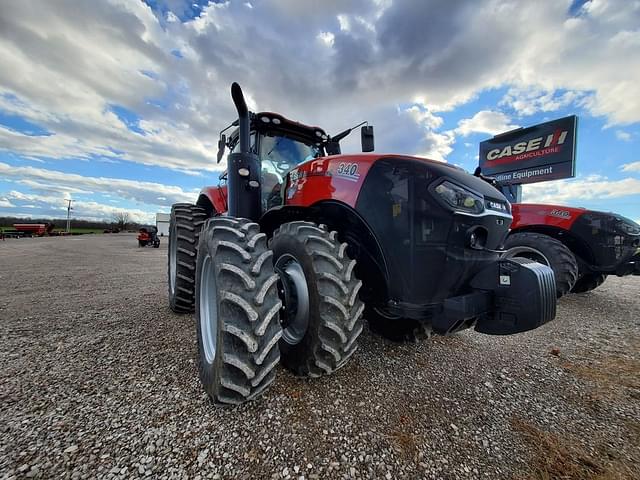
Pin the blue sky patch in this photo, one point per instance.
(22, 125)
(128, 117)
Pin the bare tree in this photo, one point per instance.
(121, 219)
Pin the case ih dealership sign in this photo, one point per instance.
(534, 154)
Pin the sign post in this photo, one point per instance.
(69, 208)
(534, 154)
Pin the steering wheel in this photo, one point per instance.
(284, 166)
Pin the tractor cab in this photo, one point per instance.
(281, 145)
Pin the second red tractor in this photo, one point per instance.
(582, 246)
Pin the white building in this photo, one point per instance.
(162, 223)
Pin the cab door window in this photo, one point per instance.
(279, 154)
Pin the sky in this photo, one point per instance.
(117, 104)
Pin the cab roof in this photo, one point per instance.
(271, 121)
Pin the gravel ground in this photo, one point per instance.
(99, 380)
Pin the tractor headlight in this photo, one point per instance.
(459, 198)
(629, 227)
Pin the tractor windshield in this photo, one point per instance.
(278, 155)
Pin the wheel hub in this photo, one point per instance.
(294, 293)
(208, 309)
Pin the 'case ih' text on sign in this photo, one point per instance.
(527, 155)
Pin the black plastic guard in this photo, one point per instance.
(524, 296)
(244, 199)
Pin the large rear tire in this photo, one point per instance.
(237, 311)
(588, 282)
(548, 251)
(184, 230)
(322, 315)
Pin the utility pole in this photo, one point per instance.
(69, 215)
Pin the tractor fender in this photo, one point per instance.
(213, 199)
(352, 228)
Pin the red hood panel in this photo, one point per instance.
(525, 214)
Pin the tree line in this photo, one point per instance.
(120, 220)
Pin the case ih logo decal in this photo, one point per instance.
(536, 147)
(542, 152)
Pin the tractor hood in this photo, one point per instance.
(431, 217)
(612, 239)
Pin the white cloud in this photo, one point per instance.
(63, 70)
(5, 203)
(88, 210)
(51, 181)
(588, 188)
(68, 65)
(55, 206)
(327, 38)
(622, 135)
(531, 100)
(485, 121)
(439, 145)
(631, 167)
(424, 117)
(420, 122)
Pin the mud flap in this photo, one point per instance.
(523, 296)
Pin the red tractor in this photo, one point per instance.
(148, 237)
(281, 260)
(581, 246)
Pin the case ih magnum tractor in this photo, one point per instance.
(282, 259)
(581, 246)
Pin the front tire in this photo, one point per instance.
(322, 315)
(184, 230)
(588, 282)
(548, 251)
(237, 314)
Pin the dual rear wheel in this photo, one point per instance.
(294, 301)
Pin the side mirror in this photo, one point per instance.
(366, 138)
(222, 143)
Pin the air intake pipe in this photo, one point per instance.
(243, 167)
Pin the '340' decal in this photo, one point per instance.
(348, 171)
